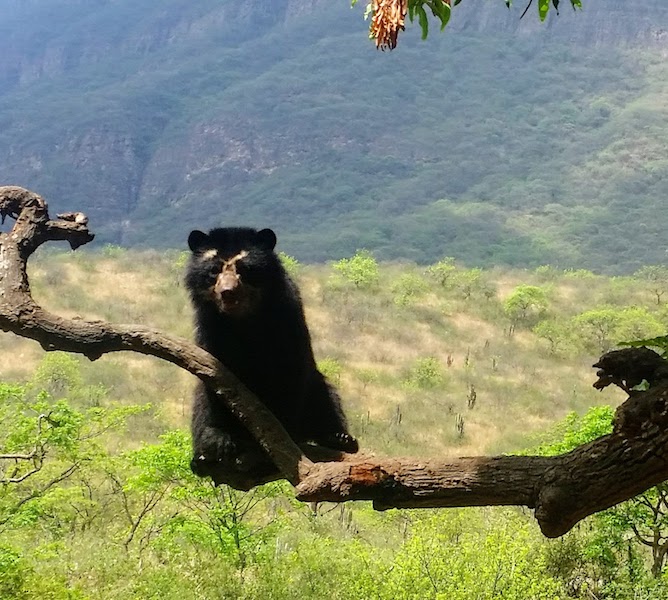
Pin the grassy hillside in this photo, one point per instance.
(112, 510)
(404, 350)
(497, 143)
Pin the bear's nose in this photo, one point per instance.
(226, 284)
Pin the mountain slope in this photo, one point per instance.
(499, 141)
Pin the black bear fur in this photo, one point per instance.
(249, 315)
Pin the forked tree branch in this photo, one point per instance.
(562, 489)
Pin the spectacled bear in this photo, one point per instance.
(249, 315)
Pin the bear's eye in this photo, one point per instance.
(212, 270)
(245, 272)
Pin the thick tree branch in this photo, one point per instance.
(562, 489)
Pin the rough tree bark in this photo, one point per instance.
(562, 489)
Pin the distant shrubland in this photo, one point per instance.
(430, 361)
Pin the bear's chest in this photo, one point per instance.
(262, 350)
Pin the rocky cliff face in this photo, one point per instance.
(54, 47)
(601, 22)
(41, 38)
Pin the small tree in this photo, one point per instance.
(408, 288)
(601, 328)
(469, 282)
(598, 326)
(525, 305)
(361, 270)
(443, 271)
(656, 279)
(557, 333)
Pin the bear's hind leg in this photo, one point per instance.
(324, 422)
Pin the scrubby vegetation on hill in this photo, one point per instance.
(433, 361)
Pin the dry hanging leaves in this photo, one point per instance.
(387, 19)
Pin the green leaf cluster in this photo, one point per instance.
(440, 9)
(360, 270)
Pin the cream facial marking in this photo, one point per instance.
(234, 259)
(212, 253)
(242, 254)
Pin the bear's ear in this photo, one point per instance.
(266, 239)
(197, 239)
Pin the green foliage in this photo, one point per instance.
(158, 464)
(408, 288)
(58, 374)
(361, 270)
(656, 279)
(290, 263)
(446, 559)
(443, 271)
(659, 343)
(44, 441)
(559, 334)
(366, 376)
(13, 573)
(454, 554)
(601, 328)
(331, 369)
(525, 304)
(425, 373)
(59, 480)
(575, 430)
(469, 282)
(440, 9)
(544, 6)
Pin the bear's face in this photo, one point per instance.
(231, 268)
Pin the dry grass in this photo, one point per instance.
(521, 388)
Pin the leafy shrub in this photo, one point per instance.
(525, 304)
(408, 288)
(361, 270)
(290, 264)
(331, 369)
(443, 271)
(13, 573)
(425, 373)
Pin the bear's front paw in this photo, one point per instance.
(213, 448)
(340, 441)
